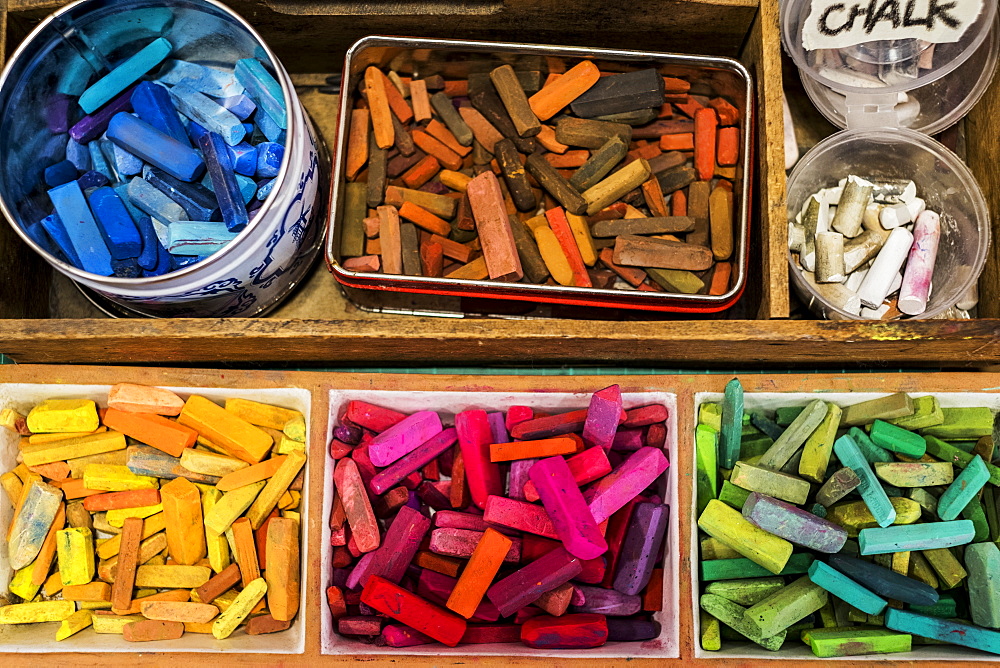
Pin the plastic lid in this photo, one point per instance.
(917, 43)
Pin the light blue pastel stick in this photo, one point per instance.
(155, 147)
(872, 452)
(82, 229)
(265, 189)
(54, 227)
(197, 238)
(846, 589)
(207, 80)
(153, 202)
(732, 424)
(126, 164)
(871, 491)
(270, 129)
(99, 163)
(945, 630)
(108, 150)
(907, 537)
(247, 186)
(262, 89)
(78, 154)
(208, 114)
(963, 489)
(241, 105)
(123, 76)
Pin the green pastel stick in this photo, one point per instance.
(963, 423)
(897, 439)
(926, 413)
(733, 495)
(884, 408)
(746, 591)
(755, 446)
(786, 606)
(907, 537)
(982, 561)
(732, 424)
(871, 491)
(734, 569)
(705, 438)
(950, 453)
(964, 488)
(846, 589)
(926, 501)
(786, 415)
(827, 643)
(872, 452)
(945, 608)
(975, 513)
(943, 629)
(733, 616)
(795, 436)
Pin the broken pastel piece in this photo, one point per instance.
(404, 437)
(603, 417)
(565, 505)
(525, 585)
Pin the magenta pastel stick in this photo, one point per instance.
(519, 515)
(437, 587)
(628, 440)
(425, 453)
(518, 414)
(474, 438)
(454, 519)
(399, 546)
(612, 492)
(361, 571)
(567, 509)
(524, 586)
(404, 437)
(603, 416)
(461, 543)
(518, 480)
(920, 264)
(586, 467)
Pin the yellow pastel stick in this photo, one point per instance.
(553, 255)
(75, 623)
(30, 613)
(216, 545)
(195, 627)
(78, 464)
(727, 525)
(185, 526)
(92, 591)
(60, 415)
(76, 555)
(287, 446)
(234, 615)
(152, 524)
(225, 599)
(12, 486)
(72, 448)
(295, 428)
(225, 429)
(289, 500)
(9, 418)
(231, 506)
(109, 622)
(292, 515)
(94, 605)
(35, 439)
(276, 486)
(819, 446)
(209, 463)
(22, 585)
(282, 572)
(262, 415)
(172, 577)
(116, 478)
(117, 516)
(581, 233)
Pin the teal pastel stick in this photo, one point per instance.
(963, 489)
(956, 633)
(871, 491)
(897, 439)
(732, 424)
(872, 452)
(263, 89)
(123, 76)
(846, 589)
(906, 537)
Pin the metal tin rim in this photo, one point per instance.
(215, 258)
(718, 302)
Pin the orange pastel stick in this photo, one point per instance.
(431, 259)
(720, 278)
(128, 562)
(652, 597)
(728, 114)
(73, 488)
(432, 146)
(679, 203)
(135, 605)
(564, 235)
(423, 218)
(459, 88)
(705, 126)
(551, 99)
(250, 474)
(155, 430)
(52, 471)
(452, 249)
(422, 172)
(647, 151)
(421, 101)
(246, 550)
(43, 562)
(479, 573)
(133, 498)
(672, 86)
(378, 104)
(547, 138)
(546, 447)
(440, 131)
(689, 107)
(569, 159)
(482, 129)
(679, 142)
(728, 150)
(357, 142)
(653, 194)
(399, 106)
(438, 563)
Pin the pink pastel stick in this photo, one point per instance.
(517, 478)
(519, 515)
(454, 519)
(399, 546)
(920, 264)
(586, 467)
(474, 438)
(351, 489)
(603, 417)
(462, 543)
(626, 482)
(518, 414)
(426, 452)
(370, 416)
(404, 437)
(567, 509)
(498, 428)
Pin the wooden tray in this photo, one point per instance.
(43, 318)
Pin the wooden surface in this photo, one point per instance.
(320, 383)
(983, 156)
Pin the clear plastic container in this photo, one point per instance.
(906, 83)
(942, 180)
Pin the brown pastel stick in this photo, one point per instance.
(555, 184)
(152, 629)
(547, 138)
(600, 164)
(439, 205)
(473, 271)
(484, 98)
(555, 96)
(392, 254)
(220, 583)
(128, 562)
(262, 624)
(639, 226)
(378, 104)
(720, 278)
(515, 101)
(633, 251)
(484, 132)
(357, 142)
(616, 186)
(400, 163)
(679, 204)
(531, 259)
(721, 218)
(246, 550)
(698, 197)
(455, 121)
(424, 219)
(666, 161)
(402, 139)
(421, 101)
(513, 174)
(410, 244)
(377, 176)
(452, 249)
(499, 249)
(432, 146)
(422, 172)
(631, 275)
(363, 263)
(590, 134)
(674, 179)
(431, 259)
(653, 194)
(282, 573)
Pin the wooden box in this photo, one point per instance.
(44, 319)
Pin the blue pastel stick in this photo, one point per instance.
(963, 489)
(197, 201)
(263, 90)
(207, 80)
(269, 157)
(98, 161)
(41, 237)
(265, 189)
(195, 132)
(257, 137)
(197, 238)
(241, 106)
(123, 76)
(945, 630)
(181, 261)
(78, 154)
(153, 202)
(164, 263)
(107, 148)
(150, 244)
(248, 188)
(115, 223)
(846, 589)
(54, 228)
(86, 238)
(126, 164)
(60, 173)
(908, 537)
(155, 147)
(207, 113)
(244, 158)
(227, 190)
(92, 179)
(270, 129)
(153, 105)
(126, 268)
(870, 490)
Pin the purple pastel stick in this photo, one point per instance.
(397, 635)
(399, 546)
(603, 417)
(641, 549)
(362, 570)
(93, 126)
(437, 587)
(613, 491)
(426, 452)
(404, 437)
(524, 586)
(629, 440)
(437, 188)
(498, 428)
(608, 602)
(564, 503)
(794, 524)
(413, 501)
(348, 434)
(518, 476)
(578, 597)
(340, 576)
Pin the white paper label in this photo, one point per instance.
(836, 24)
